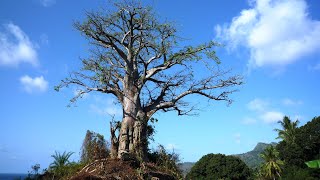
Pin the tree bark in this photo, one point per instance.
(133, 131)
(126, 136)
(140, 136)
(114, 141)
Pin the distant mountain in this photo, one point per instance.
(185, 167)
(252, 158)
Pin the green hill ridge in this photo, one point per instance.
(251, 158)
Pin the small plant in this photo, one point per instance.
(168, 162)
(94, 147)
(61, 161)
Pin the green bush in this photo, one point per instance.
(94, 147)
(168, 162)
(219, 166)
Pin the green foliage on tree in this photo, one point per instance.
(94, 147)
(306, 147)
(288, 131)
(167, 161)
(271, 168)
(60, 160)
(219, 166)
(140, 60)
(313, 164)
(61, 167)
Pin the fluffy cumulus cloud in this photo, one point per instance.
(16, 47)
(37, 84)
(276, 32)
(272, 116)
(257, 104)
(263, 112)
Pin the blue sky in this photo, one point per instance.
(275, 45)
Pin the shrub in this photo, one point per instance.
(168, 162)
(219, 166)
(94, 147)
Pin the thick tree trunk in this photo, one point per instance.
(140, 136)
(132, 137)
(126, 136)
(133, 131)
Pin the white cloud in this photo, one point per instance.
(248, 120)
(31, 85)
(275, 32)
(272, 116)
(257, 105)
(264, 112)
(47, 3)
(16, 47)
(291, 102)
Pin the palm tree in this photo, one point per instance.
(272, 165)
(288, 131)
(60, 160)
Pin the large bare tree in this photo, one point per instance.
(137, 58)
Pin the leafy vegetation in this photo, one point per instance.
(313, 164)
(288, 131)
(253, 158)
(219, 166)
(60, 160)
(272, 166)
(168, 162)
(61, 166)
(138, 59)
(185, 167)
(306, 147)
(94, 147)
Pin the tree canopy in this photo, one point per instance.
(306, 148)
(219, 166)
(288, 131)
(272, 166)
(94, 147)
(139, 60)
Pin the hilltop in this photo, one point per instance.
(251, 158)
